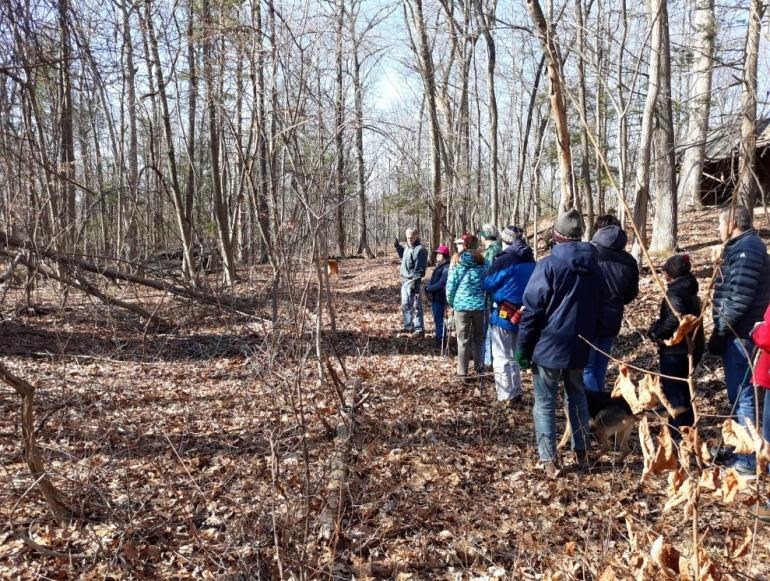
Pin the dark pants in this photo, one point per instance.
(677, 392)
(470, 329)
(438, 308)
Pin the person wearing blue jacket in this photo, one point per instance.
(465, 296)
(505, 282)
(436, 289)
(741, 295)
(562, 303)
(621, 274)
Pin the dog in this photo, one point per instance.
(610, 416)
(333, 267)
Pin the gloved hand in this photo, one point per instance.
(396, 243)
(522, 360)
(716, 344)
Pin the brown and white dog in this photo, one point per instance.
(610, 416)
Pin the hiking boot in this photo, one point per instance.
(418, 333)
(744, 470)
(583, 461)
(762, 511)
(720, 453)
(551, 469)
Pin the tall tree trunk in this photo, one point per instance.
(664, 227)
(414, 8)
(487, 20)
(192, 110)
(363, 242)
(212, 99)
(699, 106)
(642, 180)
(747, 182)
(558, 105)
(133, 155)
(339, 120)
(585, 163)
(176, 193)
(67, 216)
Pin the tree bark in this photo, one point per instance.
(702, 44)
(664, 228)
(747, 182)
(339, 134)
(585, 164)
(558, 105)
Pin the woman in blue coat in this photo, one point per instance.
(465, 296)
(436, 289)
(505, 282)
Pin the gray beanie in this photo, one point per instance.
(488, 232)
(511, 233)
(568, 227)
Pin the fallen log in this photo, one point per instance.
(241, 306)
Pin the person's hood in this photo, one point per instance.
(467, 259)
(581, 257)
(613, 237)
(516, 253)
(687, 284)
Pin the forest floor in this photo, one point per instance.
(206, 452)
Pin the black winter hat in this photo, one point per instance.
(569, 227)
(677, 265)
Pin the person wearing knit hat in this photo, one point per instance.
(436, 290)
(511, 233)
(682, 294)
(569, 227)
(562, 315)
(489, 235)
(621, 273)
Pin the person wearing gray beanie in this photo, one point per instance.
(569, 227)
(511, 233)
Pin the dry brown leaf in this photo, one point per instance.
(648, 447)
(665, 556)
(710, 480)
(737, 436)
(626, 389)
(709, 571)
(687, 324)
(648, 392)
(680, 490)
(732, 483)
(743, 548)
(608, 575)
(693, 445)
(569, 548)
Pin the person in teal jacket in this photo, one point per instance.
(465, 295)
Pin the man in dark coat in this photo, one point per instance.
(414, 261)
(562, 302)
(621, 275)
(741, 296)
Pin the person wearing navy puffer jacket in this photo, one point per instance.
(621, 274)
(562, 303)
(505, 282)
(436, 289)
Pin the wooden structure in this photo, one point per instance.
(720, 169)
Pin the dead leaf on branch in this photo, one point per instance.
(657, 459)
(711, 480)
(665, 556)
(693, 445)
(743, 548)
(643, 397)
(737, 436)
(680, 490)
(686, 325)
(732, 483)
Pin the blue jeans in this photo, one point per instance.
(487, 339)
(547, 386)
(438, 308)
(411, 307)
(740, 392)
(595, 371)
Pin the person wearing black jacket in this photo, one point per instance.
(682, 293)
(621, 274)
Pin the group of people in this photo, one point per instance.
(559, 316)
